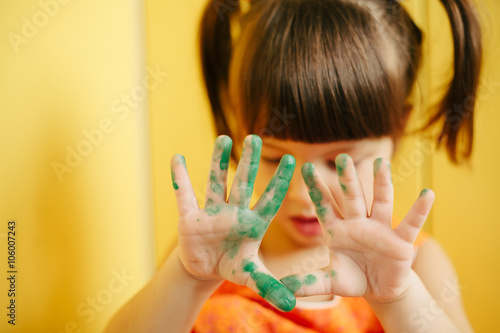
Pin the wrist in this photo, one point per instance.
(198, 282)
(402, 294)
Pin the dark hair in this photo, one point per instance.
(342, 69)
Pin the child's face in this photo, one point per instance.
(296, 220)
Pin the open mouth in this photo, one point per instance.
(307, 226)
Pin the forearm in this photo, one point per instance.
(416, 311)
(172, 300)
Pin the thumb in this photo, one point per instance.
(259, 279)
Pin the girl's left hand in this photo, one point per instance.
(367, 257)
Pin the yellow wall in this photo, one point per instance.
(76, 233)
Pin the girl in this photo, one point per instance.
(326, 86)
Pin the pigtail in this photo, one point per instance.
(215, 52)
(457, 106)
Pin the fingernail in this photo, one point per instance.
(424, 191)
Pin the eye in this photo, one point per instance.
(331, 164)
(271, 160)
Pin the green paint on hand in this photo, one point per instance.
(330, 232)
(174, 183)
(253, 226)
(314, 191)
(424, 192)
(321, 212)
(376, 166)
(342, 186)
(226, 144)
(279, 183)
(212, 209)
(269, 288)
(309, 280)
(333, 274)
(308, 174)
(292, 282)
(253, 168)
(250, 226)
(341, 163)
(215, 186)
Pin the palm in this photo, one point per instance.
(368, 257)
(221, 224)
(222, 239)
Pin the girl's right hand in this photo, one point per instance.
(221, 241)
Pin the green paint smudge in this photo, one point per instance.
(255, 158)
(292, 282)
(279, 183)
(330, 232)
(309, 280)
(343, 187)
(376, 166)
(314, 192)
(269, 288)
(212, 209)
(174, 183)
(226, 144)
(215, 186)
(341, 163)
(254, 226)
(424, 192)
(250, 226)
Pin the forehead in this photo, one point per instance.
(318, 149)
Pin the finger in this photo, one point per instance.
(326, 207)
(244, 178)
(217, 180)
(259, 279)
(184, 194)
(383, 192)
(354, 199)
(270, 201)
(409, 228)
